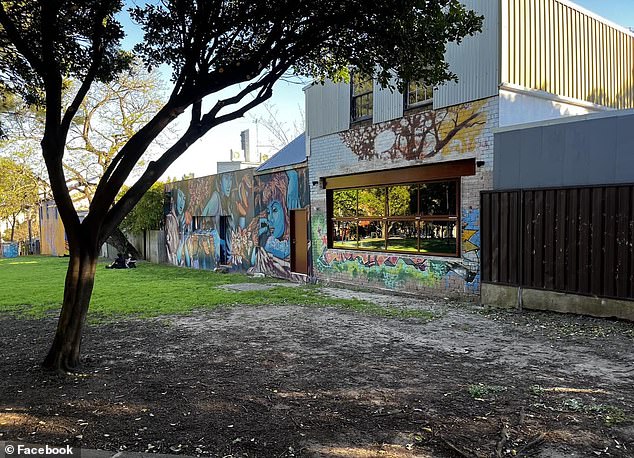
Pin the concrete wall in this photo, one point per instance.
(509, 297)
(156, 251)
(420, 137)
(521, 106)
(587, 150)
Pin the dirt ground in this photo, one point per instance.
(298, 381)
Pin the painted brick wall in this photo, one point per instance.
(422, 137)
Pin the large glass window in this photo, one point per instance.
(407, 218)
(361, 96)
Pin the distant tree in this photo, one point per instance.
(18, 192)
(110, 114)
(279, 133)
(232, 50)
(147, 214)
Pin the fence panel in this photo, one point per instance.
(572, 240)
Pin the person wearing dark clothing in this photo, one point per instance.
(119, 263)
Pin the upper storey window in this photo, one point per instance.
(418, 94)
(361, 97)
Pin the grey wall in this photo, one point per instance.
(593, 150)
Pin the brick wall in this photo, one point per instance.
(420, 137)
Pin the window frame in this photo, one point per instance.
(419, 103)
(354, 97)
(418, 218)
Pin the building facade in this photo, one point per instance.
(253, 220)
(395, 178)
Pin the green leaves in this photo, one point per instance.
(148, 212)
(18, 188)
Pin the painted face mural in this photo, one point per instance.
(226, 182)
(275, 219)
(206, 213)
(276, 195)
(180, 203)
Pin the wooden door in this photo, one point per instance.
(299, 241)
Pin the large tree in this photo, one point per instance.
(215, 47)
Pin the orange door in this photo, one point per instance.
(299, 241)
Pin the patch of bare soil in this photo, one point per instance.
(301, 381)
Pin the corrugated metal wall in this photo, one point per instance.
(327, 108)
(572, 240)
(553, 46)
(475, 61)
(386, 104)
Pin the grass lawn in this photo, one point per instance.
(33, 288)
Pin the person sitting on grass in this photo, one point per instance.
(130, 262)
(118, 263)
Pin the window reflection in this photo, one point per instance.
(344, 203)
(438, 237)
(371, 235)
(411, 218)
(372, 202)
(403, 200)
(402, 236)
(345, 234)
(438, 198)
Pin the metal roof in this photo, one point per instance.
(293, 153)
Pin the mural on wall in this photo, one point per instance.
(275, 195)
(235, 220)
(10, 250)
(420, 135)
(53, 240)
(471, 243)
(205, 213)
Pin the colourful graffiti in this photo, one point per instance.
(400, 272)
(204, 215)
(420, 135)
(275, 195)
(10, 250)
(235, 220)
(471, 244)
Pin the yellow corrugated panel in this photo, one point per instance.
(556, 47)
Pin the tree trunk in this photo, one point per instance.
(80, 277)
(13, 228)
(118, 240)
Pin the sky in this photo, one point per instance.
(288, 101)
(200, 159)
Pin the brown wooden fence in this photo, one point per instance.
(572, 240)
